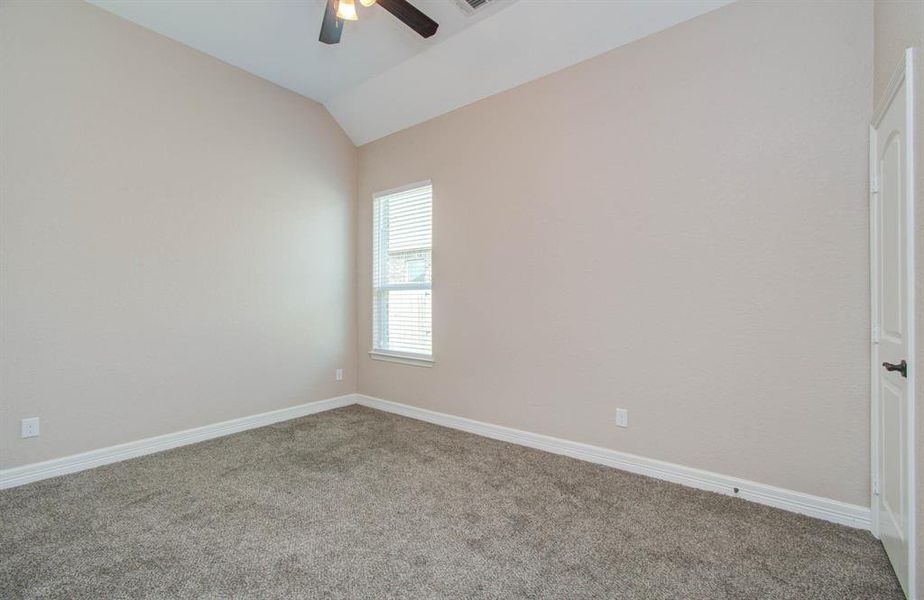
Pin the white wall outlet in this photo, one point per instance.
(622, 417)
(29, 427)
(339, 374)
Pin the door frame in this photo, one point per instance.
(905, 73)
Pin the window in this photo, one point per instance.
(402, 274)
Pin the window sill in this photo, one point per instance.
(404, 359)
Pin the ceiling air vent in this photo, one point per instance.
(470, 6)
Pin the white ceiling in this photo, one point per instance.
(278, 39)
(383, 77)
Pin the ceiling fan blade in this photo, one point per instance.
(408, 14)
(331, 26)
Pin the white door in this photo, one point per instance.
(892, 240)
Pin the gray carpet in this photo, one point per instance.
(356, 503)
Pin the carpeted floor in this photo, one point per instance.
(356, 503)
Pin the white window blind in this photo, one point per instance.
(402, 272)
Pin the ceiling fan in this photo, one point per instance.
(338, 11)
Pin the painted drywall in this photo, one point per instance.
(176, 237)
(677, 227)
(499, 53)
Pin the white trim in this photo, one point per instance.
(402, 188)
(874, 340)
(17, 476)
(412, 286)
(798, 502)
(416, 360)
(912, 90)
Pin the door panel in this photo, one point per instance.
(891, 258)
(892, 490)
(891, 218)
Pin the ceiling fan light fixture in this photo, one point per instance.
(338, 11)
(346, 10)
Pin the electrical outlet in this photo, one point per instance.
(622, 417)
(339, 374)
(29, 427)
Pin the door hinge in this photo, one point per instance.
(876, 334)
(874, 185)
(875, 486)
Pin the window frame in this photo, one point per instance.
(384, 354)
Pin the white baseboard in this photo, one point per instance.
(797, 502)
(95, 458)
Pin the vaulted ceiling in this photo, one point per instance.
(383, 77)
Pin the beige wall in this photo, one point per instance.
(176, 237)
(899, 24)
(677, 227)
(573, 214)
